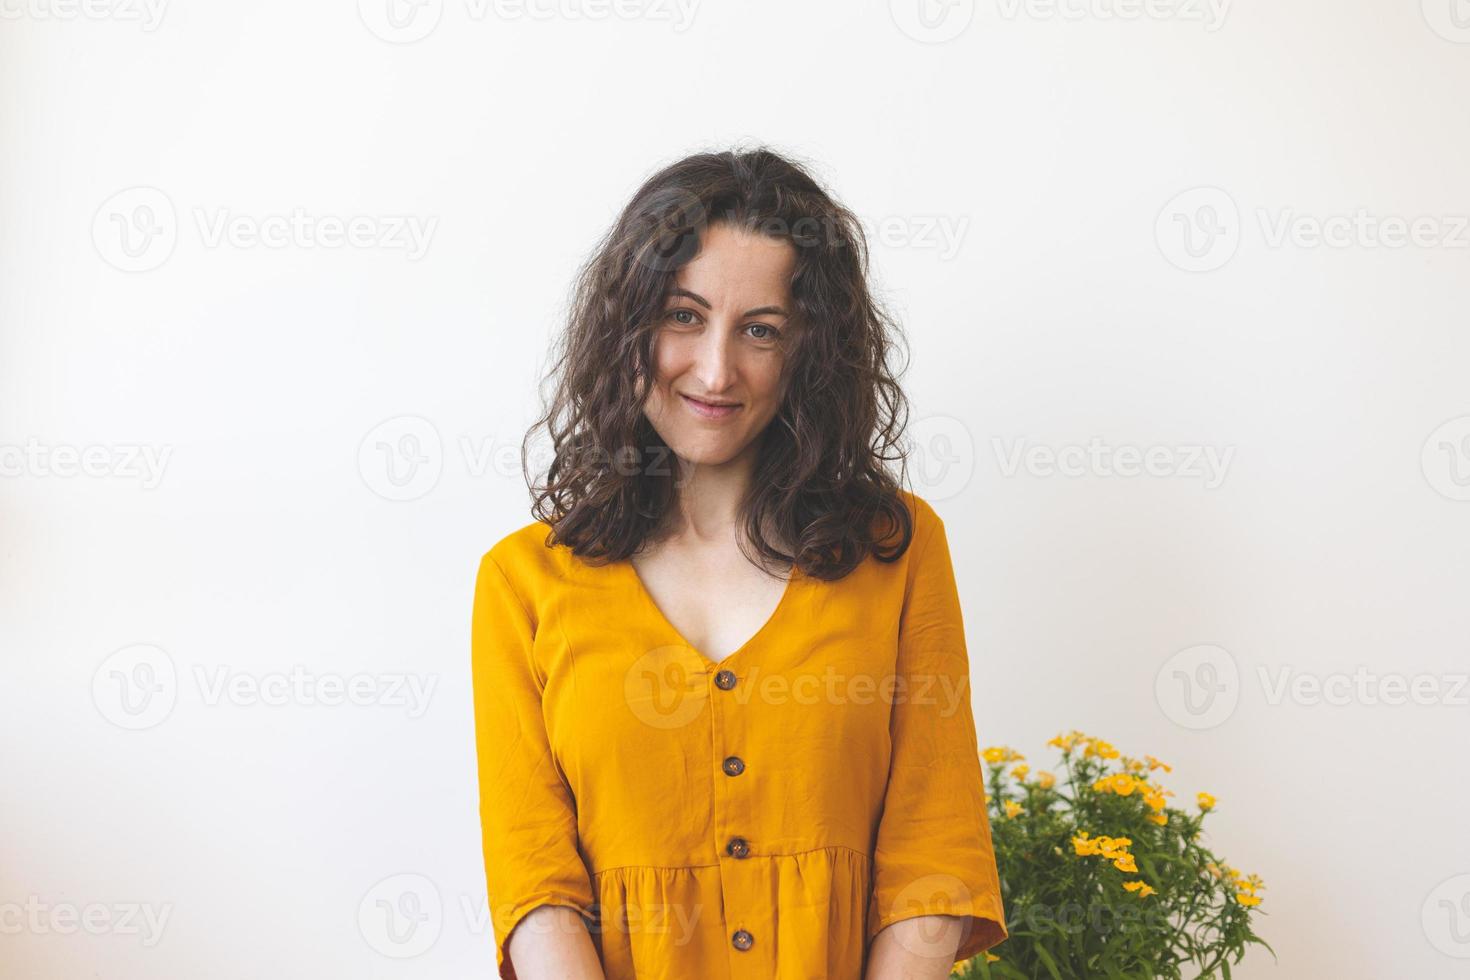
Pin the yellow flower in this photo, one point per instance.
(1102, 750)
(990, 957)
(1013, 808)
(1045, 780)
(1065, 742)
(1144, 891)
(1159, 818)
(1206, 802)
(1156, 764)
(1245, 886)
(1020, 771)
(1115, 849)
(1119, 782)
(998, 754)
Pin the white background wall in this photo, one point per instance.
(1024, 165)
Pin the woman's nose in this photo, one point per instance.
(716, 360)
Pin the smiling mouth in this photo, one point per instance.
(710, 410)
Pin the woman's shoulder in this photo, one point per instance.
(925, 519)
(919, 508)
(526, 556)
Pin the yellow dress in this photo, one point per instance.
(760, 817)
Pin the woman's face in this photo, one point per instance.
(719, 349)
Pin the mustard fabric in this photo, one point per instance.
(604, 745)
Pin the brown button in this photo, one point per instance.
(742, 939)
(734, 765)
(725, 680)
(738, 847)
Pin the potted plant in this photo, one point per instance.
(1102, 878)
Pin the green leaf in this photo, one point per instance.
(1048, 962)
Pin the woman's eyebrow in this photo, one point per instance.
(758, 311)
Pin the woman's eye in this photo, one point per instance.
(771, 333)
(676, 314)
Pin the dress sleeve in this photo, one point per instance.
(527, 811)
(934, 854)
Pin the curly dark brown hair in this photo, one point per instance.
(822, 478)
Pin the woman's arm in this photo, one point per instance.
(936, 892)
(533, 865)
(552, 943)
(921, 948)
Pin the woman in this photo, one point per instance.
(721, 685)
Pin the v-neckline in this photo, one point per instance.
(709, 662)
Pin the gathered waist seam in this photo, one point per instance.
(694, 867)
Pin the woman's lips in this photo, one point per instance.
(708, 411)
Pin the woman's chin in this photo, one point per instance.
(712, 452)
